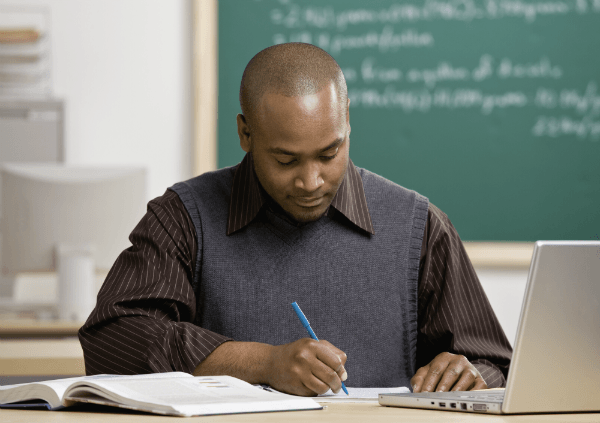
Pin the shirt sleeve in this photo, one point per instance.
(454, 314)
(142, 322)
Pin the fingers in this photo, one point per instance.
(479, 384)
(418, 378)
(427, 377)
(332, 370)
(327, 377)
(341, 354)
(306, 367)
(334, 358)
(312, 386)
(459, 375)
(434, 374)
(470, 380)
(447, 372)
(459, 381)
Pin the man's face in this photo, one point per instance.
(300, 149)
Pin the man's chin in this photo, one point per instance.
(308, 215)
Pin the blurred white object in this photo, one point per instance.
(76, 294)
(54, 216)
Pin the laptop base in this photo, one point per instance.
(473, 402)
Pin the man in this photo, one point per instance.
(381, 274)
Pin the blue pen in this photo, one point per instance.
(306, 325)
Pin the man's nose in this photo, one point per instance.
(310, 179)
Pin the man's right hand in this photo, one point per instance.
(306, 367)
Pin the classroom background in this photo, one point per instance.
(490, 109)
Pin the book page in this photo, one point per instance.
(191, 395)
(50, 391)
(60, 386)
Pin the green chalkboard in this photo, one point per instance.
(489, 108)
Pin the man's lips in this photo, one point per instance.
(308, 201)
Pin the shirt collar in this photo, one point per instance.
(248, 197)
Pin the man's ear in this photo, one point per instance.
(348, 117)
(244, 133)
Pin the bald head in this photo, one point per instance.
(292, 70)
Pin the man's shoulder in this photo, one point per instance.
(212, 178)
(208, 183)
(439, 222)
(168, 199)
(374, 180)
(379, 186)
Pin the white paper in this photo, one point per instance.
(359, 394)
(354, 394)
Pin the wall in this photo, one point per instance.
(124, 71)
(505, 289)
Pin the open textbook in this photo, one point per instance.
(178, 394)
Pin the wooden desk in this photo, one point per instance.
(346, 413)
(41, 357)
(503, 255)
(29, 328)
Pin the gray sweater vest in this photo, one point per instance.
(359, 291)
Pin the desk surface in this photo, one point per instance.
(29, 328)
(20, 357)
(346, 413)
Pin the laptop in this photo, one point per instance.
(556, 360)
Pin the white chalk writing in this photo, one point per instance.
(541, 69)
(372, 72)
(443, 72)
(586, 102)
(292, 15)
(350, 74)
(383, 41)
(376, 44)
(425, 100)
(546, 98)
(554, 127)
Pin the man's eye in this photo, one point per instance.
(286, 163)
(327, 158)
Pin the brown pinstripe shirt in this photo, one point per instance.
(142, 320)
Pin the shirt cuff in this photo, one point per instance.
(493, 376)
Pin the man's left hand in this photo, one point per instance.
(447, 372)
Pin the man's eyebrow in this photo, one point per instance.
(277, 150)
(334, 144)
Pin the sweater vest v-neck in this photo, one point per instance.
(358, 290)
